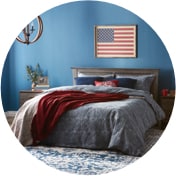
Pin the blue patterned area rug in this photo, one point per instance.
(88, 162)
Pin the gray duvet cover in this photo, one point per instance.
(116, 125)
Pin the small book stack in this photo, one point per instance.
(42, 87)
(42, 83)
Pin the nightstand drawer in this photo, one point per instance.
(27, 94)
(167, 103)
(10, 116)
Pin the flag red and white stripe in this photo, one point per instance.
(115, 41)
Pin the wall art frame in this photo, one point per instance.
(115, 41)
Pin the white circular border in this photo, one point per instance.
(15, 14)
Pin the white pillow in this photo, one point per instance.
(95, 75)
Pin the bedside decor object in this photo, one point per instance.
(33, 30)
(115, 41)
(33, 74)
(42, 83)
(172, 93)
(164, 92)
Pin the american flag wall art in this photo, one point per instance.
(115, 41)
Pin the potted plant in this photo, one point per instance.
(33, 74)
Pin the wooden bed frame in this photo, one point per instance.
(129, 71)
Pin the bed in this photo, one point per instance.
(119, 108)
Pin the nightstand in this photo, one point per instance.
(167, 103)
(28, 94)
(10, 116)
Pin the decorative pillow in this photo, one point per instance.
(87, 80)
(143, 82)
(110, 83)
(127, 82)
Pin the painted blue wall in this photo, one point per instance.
(68, 40)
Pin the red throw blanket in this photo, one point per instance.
(54, 104)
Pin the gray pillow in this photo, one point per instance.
(143, 82)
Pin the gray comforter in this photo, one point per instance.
(117, 125)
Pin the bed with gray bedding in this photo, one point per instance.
(114, 125)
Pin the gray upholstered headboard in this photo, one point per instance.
(129, 71)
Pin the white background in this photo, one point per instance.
(14, 15)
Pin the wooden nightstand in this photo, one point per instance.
(167, 103)
(10, 116)
(28, 94)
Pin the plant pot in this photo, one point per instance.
(33, 86)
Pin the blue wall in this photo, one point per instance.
(68, 40)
